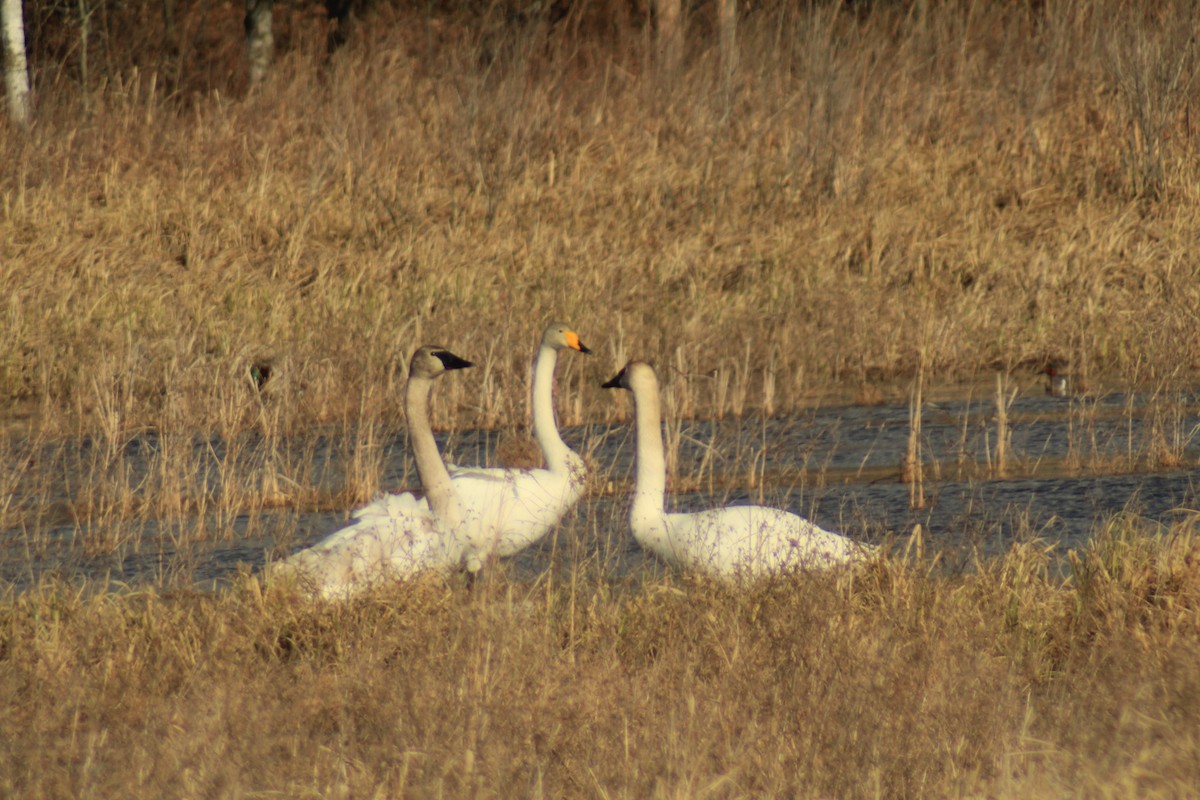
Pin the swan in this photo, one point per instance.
(510, 509)
(396, 536)
(732, 542)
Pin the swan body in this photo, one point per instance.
(393, 537)
(396, 536)
(511, 509)
(734, 542)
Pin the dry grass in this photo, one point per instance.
(902, 681)
(879, 188)
(990, 186)
(995, 185)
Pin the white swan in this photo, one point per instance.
(510, 509)
(732, 542)
(395, 536)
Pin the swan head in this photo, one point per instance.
(430, 361)
(632, 375)
(561, 336)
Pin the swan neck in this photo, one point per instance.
(651, 463)
(545, 428)
(439, 491)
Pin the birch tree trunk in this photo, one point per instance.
(16, 70)
(260, 42)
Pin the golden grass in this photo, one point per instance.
(961, 181)
(957, 187)
(900, 681)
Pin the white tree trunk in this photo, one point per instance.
(16, 70)
(260, 41)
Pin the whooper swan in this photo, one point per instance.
(396, 536)
(740, 542)
(510, 509)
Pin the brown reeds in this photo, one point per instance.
(1004, 399)
(912, 466)
(1018, 176)
(903, 681)
(875, 168)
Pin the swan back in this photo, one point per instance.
(748, 542)
(392, 538)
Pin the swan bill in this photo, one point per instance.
(451, 361)
(616, 381)
(575, 343)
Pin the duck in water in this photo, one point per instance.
(1057, 384)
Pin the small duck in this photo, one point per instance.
(1057, 383)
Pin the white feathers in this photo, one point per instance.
(734, 542)
(395, 536)
(512, 508)
(508, 510)
(744, 542)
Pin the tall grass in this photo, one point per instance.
(878, 194)
(900, 681)
(872, 175)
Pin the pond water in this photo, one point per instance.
(1073, 463)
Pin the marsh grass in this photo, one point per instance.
(878, 195)
(868, 177)
(902, 680)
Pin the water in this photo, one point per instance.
(1074, 464)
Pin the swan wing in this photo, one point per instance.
(752, 541)
(511, 509)
(393, 537)
(494, 474)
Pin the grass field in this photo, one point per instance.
(895, 682)
(992, 185)
(881, 190)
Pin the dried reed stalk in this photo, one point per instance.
(1000, 468)
(911, 469)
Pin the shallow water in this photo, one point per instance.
(1073, 464)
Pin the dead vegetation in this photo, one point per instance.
(997, 185)
(209, 300)
(901, 681)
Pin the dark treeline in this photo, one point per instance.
(198, 46)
